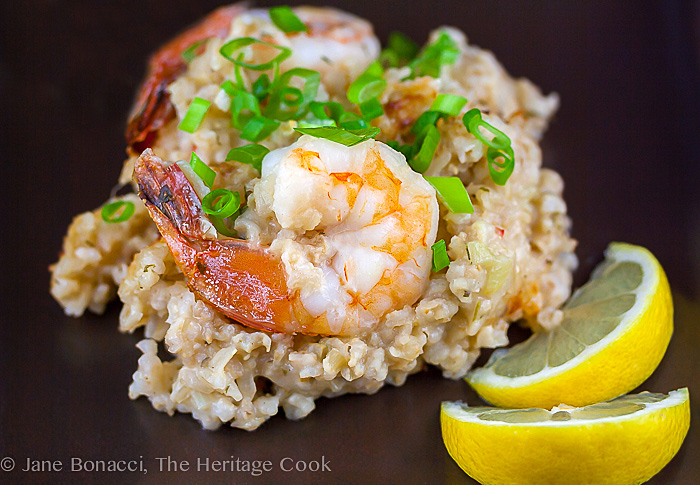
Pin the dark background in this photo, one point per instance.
(626, 141)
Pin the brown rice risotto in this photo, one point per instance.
(511, 259)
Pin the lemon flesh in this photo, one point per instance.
(615, 330)
(624, 441)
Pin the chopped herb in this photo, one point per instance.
(499, 146)
(473, 122)
(244, 108)
(193, 50)
(202, 170)
(371, 109)
(399, 50)
(259, 128)
(286, 20)
(147, 267)
(261, 87)
(453, 194)
(195, 114)
(221, 203)
(405, 150)
(424, 149)
(340, 135)
(440, 258)
(118, 211)
(424, 120)
(449, 104)
(230, 88)
(287, 102)
(443, 51)
(500, 171)
(251, 154)
(228, 50)
(370, 84)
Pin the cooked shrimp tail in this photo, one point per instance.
(371, 219)
(243, 281)
(152, 109)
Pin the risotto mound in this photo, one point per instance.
(511, 259)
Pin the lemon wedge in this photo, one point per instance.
(614, 332)
(627, 440)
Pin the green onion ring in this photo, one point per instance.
(221, 203)
(202, 170)
(440, 258)
(251, 154)
(259, 128)
(229, 48)
(501, 175)
(110, 211)
(473, 122)
(286, 20)
(453, 194)
(449, 104)
(340, 135)
(194, 116)
(425, 149)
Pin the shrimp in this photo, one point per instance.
(152, 109)
(337, 44)
(356, 230)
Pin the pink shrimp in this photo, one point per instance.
(371, 220)
(152, 109)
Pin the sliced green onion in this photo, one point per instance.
(334, 110)
(371, 109)
(370, 84)
(229, 88)
(261, 87)
(340, 135)
(425, 149)
(441, 52)
(389, 58)
(440, 258)
(424, 120)
(221, 203)
(473, 122)
(238, 71)
(194, 116)
(228, 50)
(400, 48)
(453, 194)
(259, 128)
(286, 20)
(498, 147)
(500, 171)
(354, 123)
(202, 170)
(191, 52)
(251, 154)
(449, 104)
(405, 150)
(287, 102)
(244, 107)
(118, 211)
(402, 45)
(221, 226)
(315, 123)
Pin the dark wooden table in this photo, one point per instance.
(625, 141)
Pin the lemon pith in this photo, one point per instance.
(614, 365)
(625, 449)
